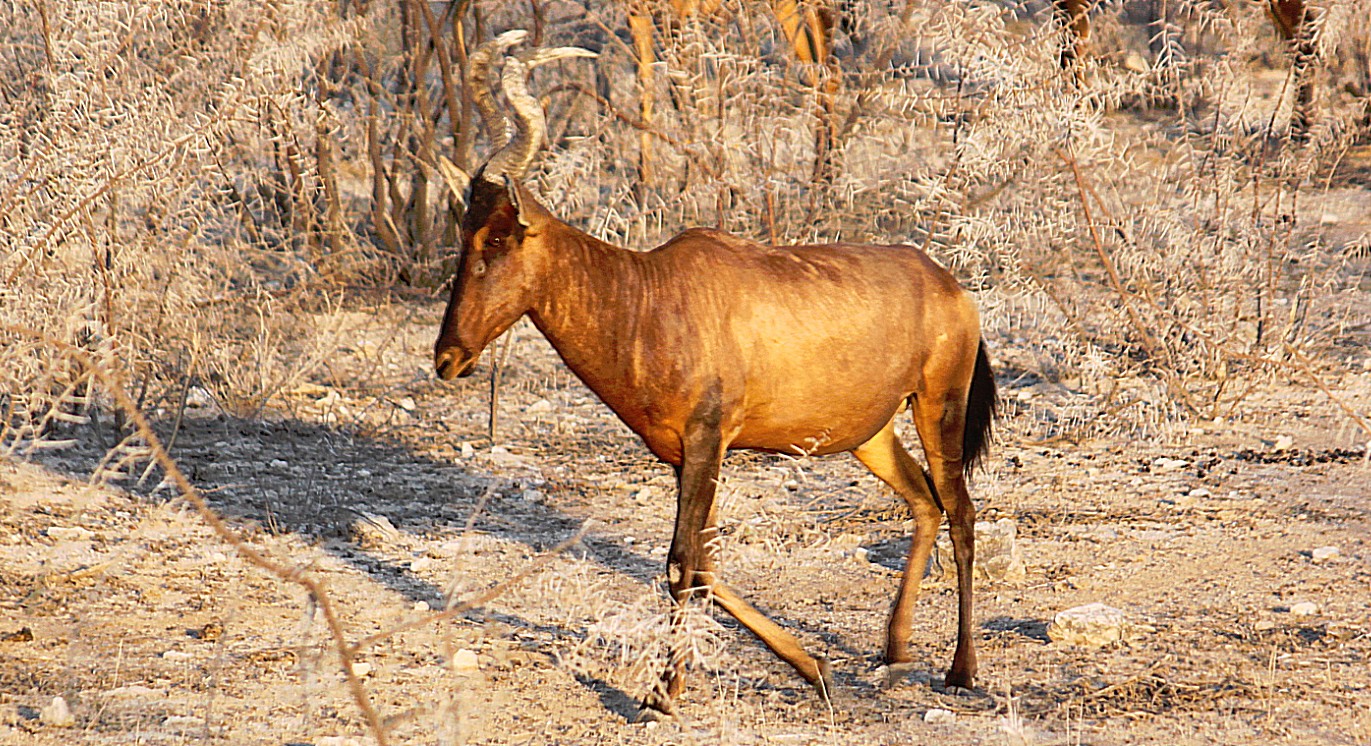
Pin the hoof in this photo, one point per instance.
(652, 714)
(824, 684)
(957, 682)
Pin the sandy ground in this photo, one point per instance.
(381, 483)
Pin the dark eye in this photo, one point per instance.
(495, 242)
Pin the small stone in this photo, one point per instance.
(361, 670)
(1304, 608)
(407, 403)
(70, 533)
(1199, 492)
(1092, 625)
(373, 531)
(421, 606)
(57, 714)
(939, 716)
(542, 406)
(277, 463)
(177, 655)
(465, 661)
(1264, 625)
(1165, 464)
(1283, 443)
(467, 450)
(862, 554)
(1323, 554)
(183, 723)
(199, 398)
(422, 564)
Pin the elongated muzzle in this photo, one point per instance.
(454, 362)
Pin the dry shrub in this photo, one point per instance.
(189, 184)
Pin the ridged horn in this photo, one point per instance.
(513, 160)
(530, 126)
(480, 83)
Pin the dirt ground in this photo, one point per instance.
(381, 482)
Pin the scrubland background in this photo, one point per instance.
(230, 217)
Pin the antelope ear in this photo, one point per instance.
(520, 211)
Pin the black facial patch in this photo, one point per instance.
(489, 206)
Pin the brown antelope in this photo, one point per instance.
(712, 342)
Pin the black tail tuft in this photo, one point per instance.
(981, 407)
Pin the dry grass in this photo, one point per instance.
(192, 190)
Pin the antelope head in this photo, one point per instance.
(502, 266)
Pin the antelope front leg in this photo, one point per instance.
(697, 480)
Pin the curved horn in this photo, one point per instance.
(514, 159)
(538, 57)
(480, 83)
(530, 126)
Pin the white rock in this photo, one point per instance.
(1304, 608)
(177, 655)
(939, 716)
(421, 606)
(277, 463)
(862, 554)
(70, 533)
(422, 564)
(467, 450)
(57, 714)
(465, 661)
(1283, 443)
(1323, 554)
(1199, 492)
(361, 670)
(1164, 464)
(183, 723)
(406, 403)
(542, 406)
(1092, 625)
(198, 398)
(1264, 625)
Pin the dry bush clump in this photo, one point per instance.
(190, 183)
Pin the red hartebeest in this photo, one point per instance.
(712, 342)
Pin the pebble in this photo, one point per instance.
(1304, 608)
(277, 463)
(421, 606)
(198, 398)
(422, 564)
(177, 655)
(1199, 492)
(1092, 625)
(467, 450)
(70, 533)
(939, 716)
(465, 661)
(183, 723)
(1164, 464)
(407, 403)
(361, 670)
(57, 714)
(542, 406)
(1283, 443)
(1264, 625)
(1323, 554)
